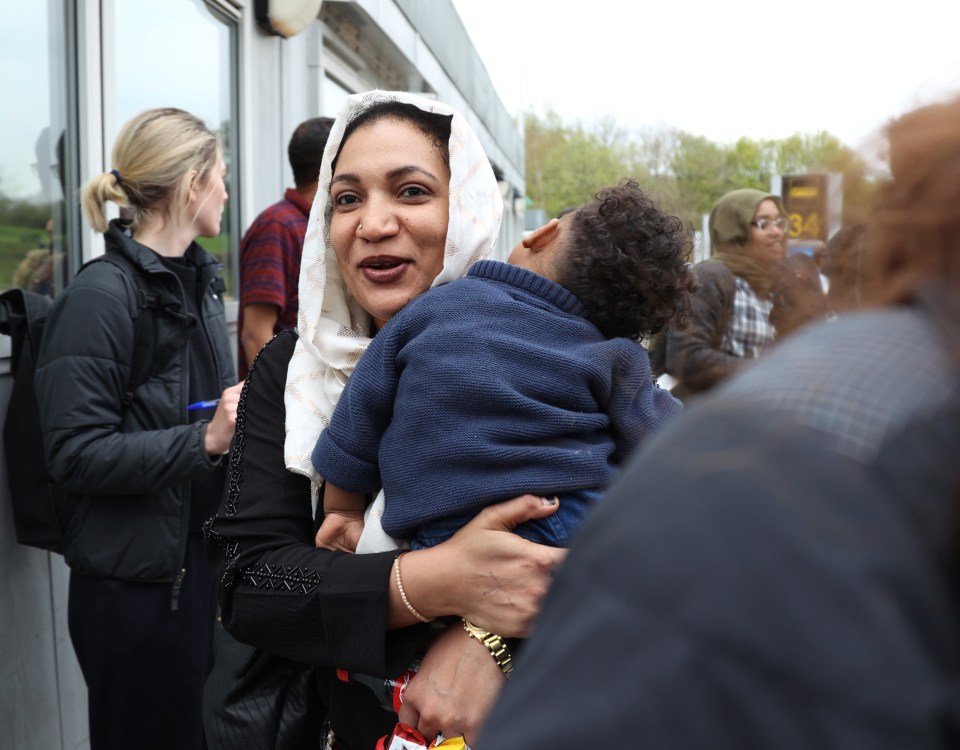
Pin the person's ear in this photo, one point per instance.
(192, 191)
(540, 238)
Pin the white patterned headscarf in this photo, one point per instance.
(333, 329)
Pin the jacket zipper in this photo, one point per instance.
(184, 532)
(185, 488)
(207, 281)
(175, 594)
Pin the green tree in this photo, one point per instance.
(566, 164)
(542, 137)
(700, 168)
(686, 173)
(822, 152)
(750, 164)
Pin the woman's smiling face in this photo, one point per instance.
(390, 195)
(767, 245)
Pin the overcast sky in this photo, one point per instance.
(720, 69)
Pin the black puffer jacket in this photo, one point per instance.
(130, 467)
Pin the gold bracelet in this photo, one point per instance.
(403, 594)
(495, 645)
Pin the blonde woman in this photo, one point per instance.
(146, 469)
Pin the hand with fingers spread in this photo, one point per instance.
(484, 573)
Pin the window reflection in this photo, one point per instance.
(180, 53)
(33, 154)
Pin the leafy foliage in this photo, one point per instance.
(566, 165)
(23, 213)
(686, 173)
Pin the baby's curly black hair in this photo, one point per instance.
(628, 262)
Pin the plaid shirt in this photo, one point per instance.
(270, 262)
(857, 380)
(750, 329)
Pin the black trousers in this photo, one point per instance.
(144, 664)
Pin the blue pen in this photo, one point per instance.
(204, 405)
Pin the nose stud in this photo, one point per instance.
(359, 227)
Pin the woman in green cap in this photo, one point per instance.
(731, 312)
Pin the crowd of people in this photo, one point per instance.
(366, 537)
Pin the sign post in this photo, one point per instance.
(814, 204)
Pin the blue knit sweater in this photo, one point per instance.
(487, 388)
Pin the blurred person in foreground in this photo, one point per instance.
(270, 250)
(843, 266)
(792, 538)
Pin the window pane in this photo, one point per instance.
(334, 97)
(179, 53)
(33, 226)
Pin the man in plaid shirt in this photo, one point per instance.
(270, 250)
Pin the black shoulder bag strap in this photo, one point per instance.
(144, 323)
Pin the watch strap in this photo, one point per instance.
(495, 644)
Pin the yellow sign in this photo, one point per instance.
(804, 226)
(804, 192)
(805, 198)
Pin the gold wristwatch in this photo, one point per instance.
(495, 645)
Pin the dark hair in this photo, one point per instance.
(628, 263)
(435, 127)
(305, 149)
(843, 265)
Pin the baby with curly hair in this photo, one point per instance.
(522, 377)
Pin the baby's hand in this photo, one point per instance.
(340, 530)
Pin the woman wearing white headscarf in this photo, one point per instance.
(407, 200)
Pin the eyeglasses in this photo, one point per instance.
(780, 223)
